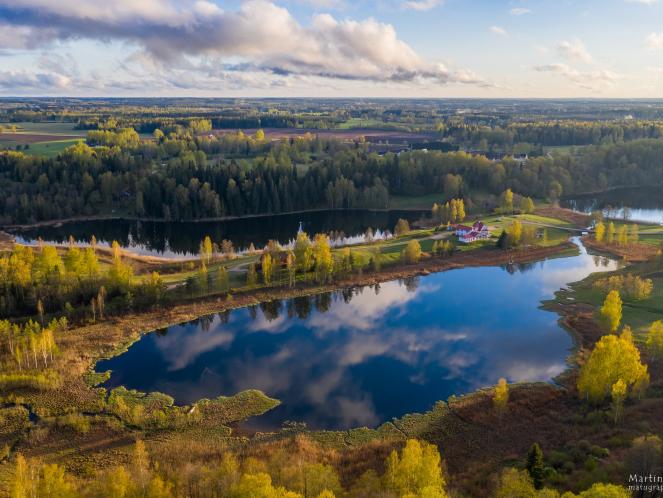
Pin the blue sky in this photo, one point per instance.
(401, 48)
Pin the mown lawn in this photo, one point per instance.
(49, 149)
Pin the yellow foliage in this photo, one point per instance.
(416, 471)
(614, 358)
(501, 397)
(611, 311)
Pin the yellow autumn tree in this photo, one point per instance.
(412, 252)
(599, 232)
(416, 471)
(611, 312)
(614, 358)
(655, 340)
(610, 234)
(267, 268)
(501, 396)
(618, 393)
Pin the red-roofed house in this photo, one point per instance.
(478, 231)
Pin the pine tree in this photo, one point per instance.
(535, 465)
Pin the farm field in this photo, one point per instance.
(47, 139)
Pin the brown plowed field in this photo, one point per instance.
(31, 138)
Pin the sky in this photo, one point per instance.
(332, 48)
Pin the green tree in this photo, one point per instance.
(251, 275)
(534, 465)
(526, 205)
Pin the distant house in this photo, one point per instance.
(478, 231)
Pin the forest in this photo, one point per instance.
(185, 175)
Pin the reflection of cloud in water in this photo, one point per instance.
(180, 350)
(379, 355)
(552, 281)
(366, 309)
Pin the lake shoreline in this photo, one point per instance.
(62, 221)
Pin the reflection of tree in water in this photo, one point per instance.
(206, 322)
(300, 306)
(411, 283)
(512, 268)
(271, 309)
(323, 302)
(224, 316)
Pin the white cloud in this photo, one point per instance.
(590, 80)
(33, 80)
(654, 41)
(645, 2)
(574, 50)
(259, 37)
(498, 30)
(421, 5)
(519, 11)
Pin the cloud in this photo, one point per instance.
(654, 41)
(498, 30)
(33, 80)
(644, 2)
(519, 11)
(259, 37)
(421, 5)
(591, 80)
(573, 50)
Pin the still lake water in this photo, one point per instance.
(639, 204)
(360, 357)
(180, 239)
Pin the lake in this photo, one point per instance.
(182, 239)
(638, 204)
(360, 357)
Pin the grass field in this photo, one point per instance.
(360, 123)
(50, 149)
(46, 128)
(40, 139)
